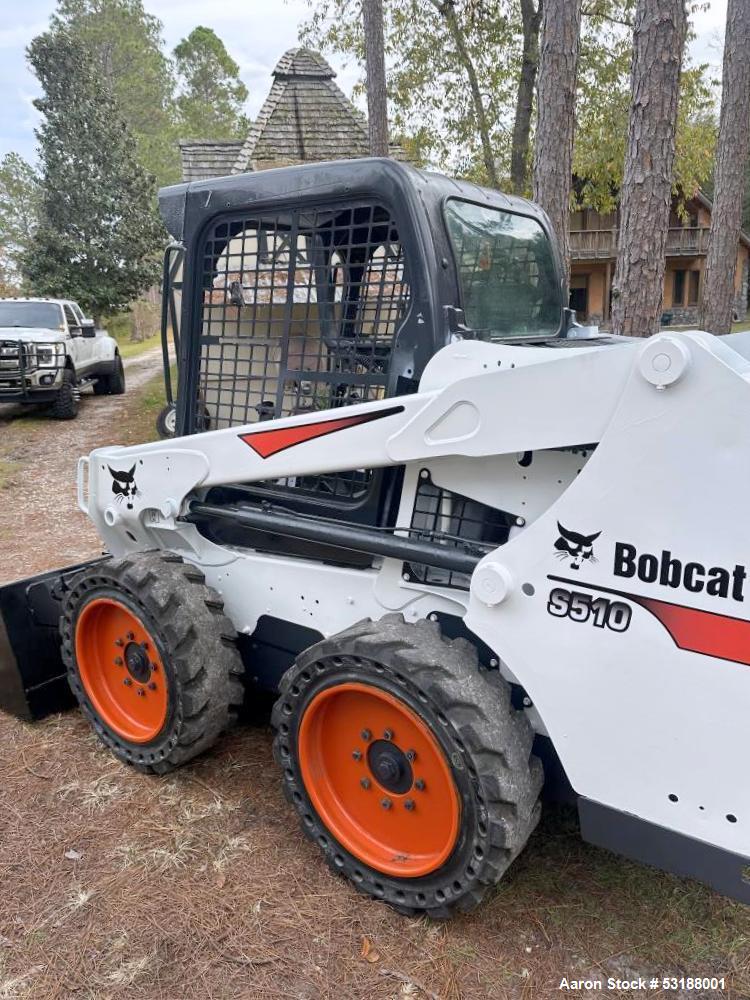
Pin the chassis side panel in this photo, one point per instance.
(33, 680)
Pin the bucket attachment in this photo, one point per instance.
(33, 681)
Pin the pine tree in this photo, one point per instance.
(658, 44)
(553, 153)
(377, 97)
(732, 157)
(211, 95)
(98, 234)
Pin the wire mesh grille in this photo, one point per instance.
(455, 521)
(300, 313)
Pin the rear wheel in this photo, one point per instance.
(112, 384)
(151, 658)
(407, 764)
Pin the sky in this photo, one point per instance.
(256, 33)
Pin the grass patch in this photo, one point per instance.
(7, 471)
(130, 349)
(150, 400)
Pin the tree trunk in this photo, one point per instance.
(658, 45)
(377, 98)
(553, 155)
(731, 163)
(447, 11)
(519, 156)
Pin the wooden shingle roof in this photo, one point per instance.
(203, 159)
(305, 118)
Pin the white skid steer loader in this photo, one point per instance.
(470, 545)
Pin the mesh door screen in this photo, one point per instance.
(300, 313)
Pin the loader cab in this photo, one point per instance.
(318, 286)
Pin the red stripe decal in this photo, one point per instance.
(692, 629)
(702, 631)
(274, 440)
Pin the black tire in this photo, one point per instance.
(485, 741)
(112, 384)
(117, 378)
(166, 421)
(196, 642)
(65, 406)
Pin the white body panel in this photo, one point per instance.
(639, 723)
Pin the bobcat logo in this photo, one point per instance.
(124, 486)
(571, 545)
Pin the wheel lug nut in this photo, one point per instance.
(388, 734)
(119, 642)
(411, 754)
(385, 803)
(419, 785)
(118, 661)
(152, 686)
(409, 805)
(357, 754)
(127, 682)
(364, 782)
(366, 735)
(130, 636)
(154, 667)
(141, 693)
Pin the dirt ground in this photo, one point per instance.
(200, 885)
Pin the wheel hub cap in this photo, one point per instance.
(378, 779)
(121, 670)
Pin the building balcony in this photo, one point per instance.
(601, 244)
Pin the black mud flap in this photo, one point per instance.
(33, 680)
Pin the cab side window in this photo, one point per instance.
(71, 318)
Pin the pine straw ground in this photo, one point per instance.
(200, 885)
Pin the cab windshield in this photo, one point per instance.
(39, 315)
(506, 271)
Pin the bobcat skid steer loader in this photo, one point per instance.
(467, 543)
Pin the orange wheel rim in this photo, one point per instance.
(121, 670)
(379, 780)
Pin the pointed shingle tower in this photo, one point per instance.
(305, 118)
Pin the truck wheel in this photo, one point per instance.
(166, 421)
(117, 378)
(151, 658)
(65, 406)
(407, 764)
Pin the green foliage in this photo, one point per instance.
(127, 48)
(429, 96)
(211, 94)
(603, 106)
(19, 210)
(97, 232)
(430, 100)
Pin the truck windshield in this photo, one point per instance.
(506, 272)
(40, 315)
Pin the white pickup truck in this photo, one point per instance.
(49, 351)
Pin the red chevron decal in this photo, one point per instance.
(271, 442)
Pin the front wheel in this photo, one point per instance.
(151, 658)
(407, 764)
(65, 406)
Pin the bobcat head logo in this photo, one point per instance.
(124, 486)
(571, 545)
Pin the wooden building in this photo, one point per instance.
(593, 243)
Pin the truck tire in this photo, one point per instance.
(151, 658)
(407, 764)
(65, 406)
(112, 384)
